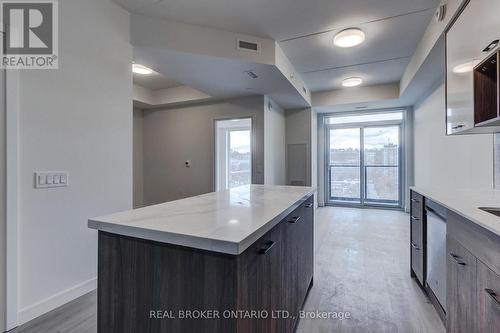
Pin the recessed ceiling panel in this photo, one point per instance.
(379, 73)
(389, 39)
(281, 19)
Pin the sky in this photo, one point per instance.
(240, 141)
(373, 137)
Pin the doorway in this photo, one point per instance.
(364, 160)
(233, 153)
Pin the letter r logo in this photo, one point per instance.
(29, 27)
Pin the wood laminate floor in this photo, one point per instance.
(362, 267)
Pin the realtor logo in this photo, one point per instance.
(30, 38)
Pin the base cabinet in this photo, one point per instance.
(417, 239)
(261, 270)
(473, 279)
(144, 286)
(297, 235)
(488, 297)
(461, 289)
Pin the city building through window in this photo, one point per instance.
(364, 159)
(233, 157)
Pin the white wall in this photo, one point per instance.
(454, 162)
(172, 136)
(77, 119)
(138, 167)
(3, 212)
(274, 143)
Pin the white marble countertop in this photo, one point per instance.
(467, 203)
(228, 221)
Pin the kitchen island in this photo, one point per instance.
(239, 260)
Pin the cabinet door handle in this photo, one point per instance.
(413, 245)
(457, 259)
(309, 205)
(415, 200)
(414, 218)
(491, 46)
(294, 219)
(493, 296)
(269, 246)
(457, 127)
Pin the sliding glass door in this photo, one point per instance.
(381, 165)
(364, 164)
(345, 165)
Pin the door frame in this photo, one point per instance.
(362, 126)
(253, 139)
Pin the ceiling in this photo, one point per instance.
(222, 77)
(305, 30)
(382, 58)
(155, 81)
(276, 19)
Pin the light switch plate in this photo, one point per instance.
(51, 179)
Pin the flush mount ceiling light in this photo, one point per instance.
(140, 69)
(465, 67)
(349, 37)
(352, 82)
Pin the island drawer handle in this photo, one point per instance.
(457, 259)
(269, 246)
(493, 296)
(309, 205)
(294, 219)
(415, 218)
(415, 246)
(415, 200)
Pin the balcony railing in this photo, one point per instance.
(381, 184)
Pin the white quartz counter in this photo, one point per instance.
(467, 203)
(228, 221)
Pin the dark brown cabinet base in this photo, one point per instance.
(146, 286)
(473, 279)
(417, 238)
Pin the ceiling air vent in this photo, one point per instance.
(245, 45)
(252, 74)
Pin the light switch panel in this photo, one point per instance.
(51, 179)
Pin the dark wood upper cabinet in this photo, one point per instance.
(472, 43)
(486, 92)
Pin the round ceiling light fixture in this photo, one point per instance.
(142, 70)
(466, 67)
(352, 82)
(349, 37)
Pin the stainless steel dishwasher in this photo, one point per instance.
(436, 250)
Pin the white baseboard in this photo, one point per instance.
(33, 311)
